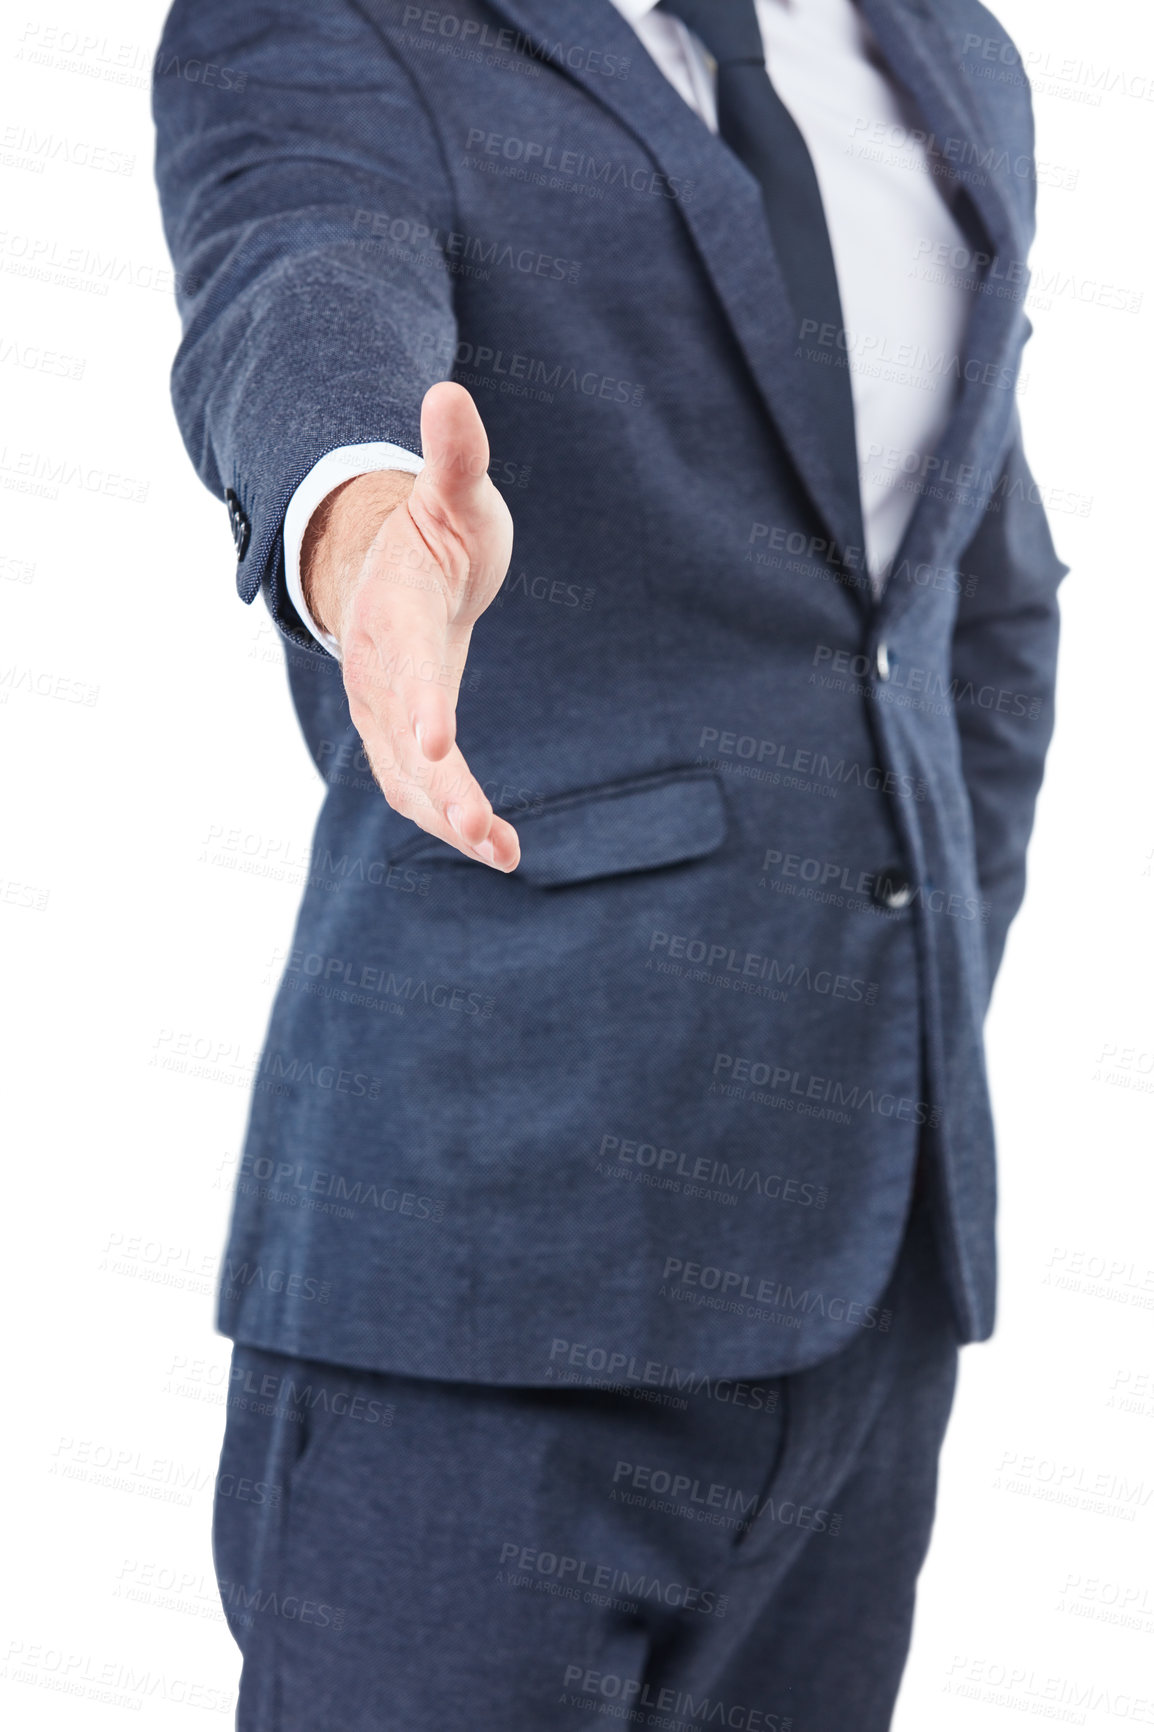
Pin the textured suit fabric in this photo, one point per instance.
(658, 1094)
(763, 134)
(413, 1553)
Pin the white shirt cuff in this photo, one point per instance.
(333, 468)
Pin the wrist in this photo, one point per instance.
(338, 536)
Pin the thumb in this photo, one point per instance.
(455, 478)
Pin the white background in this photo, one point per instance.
(153, 847)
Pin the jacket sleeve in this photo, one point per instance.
(1004, 660)
(306, 205)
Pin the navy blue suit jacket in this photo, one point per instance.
(654, 1100)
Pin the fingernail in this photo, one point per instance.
(419, 731)
(455, 816)
(485, 850)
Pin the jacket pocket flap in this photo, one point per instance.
(629, 826)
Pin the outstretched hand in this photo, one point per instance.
(399, 568)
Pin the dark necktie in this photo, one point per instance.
(756, 125)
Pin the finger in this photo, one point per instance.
(456, 802)
(407, 676)
(506, 846)
(443, 795)
(454, 508)
(428, 688)
(455, 479)
(401, 660)
(448, 802)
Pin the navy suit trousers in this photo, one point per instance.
(401, 1555)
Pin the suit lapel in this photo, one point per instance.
(726, 222)
(921, 57)
(727, 225)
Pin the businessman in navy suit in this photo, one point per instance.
(615, 404)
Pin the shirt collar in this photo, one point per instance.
(632, 10)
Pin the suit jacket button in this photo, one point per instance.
(892, 888)
(882, 660)
(237, 522)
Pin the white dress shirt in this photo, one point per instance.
(886, 217)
